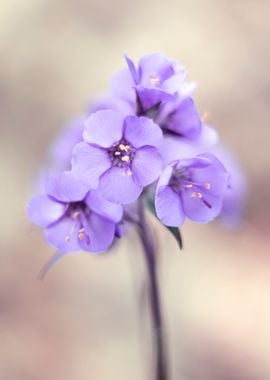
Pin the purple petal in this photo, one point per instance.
(155, 65)
(122, 86)
(210, 170)
(150, 97)
(118, 186)
(146, 166)
(185, 120)
(203, 209)
(103, 207)
(104, 128)
(175, 82)
(66, 187)
(99, 234)
(43, 211)
(89, 163)
(169, 207)
(141, 131)
(132, 69)
(207, 138)
(63, 235)
(174, 148)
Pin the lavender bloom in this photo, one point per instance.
(156, 79)
(191, 188)
(73, 218)
(119, 155)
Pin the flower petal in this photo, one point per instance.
(185, 120)
(132, 70)
(141, 131)
(63, 235)
(89, 163)
(103, 207)
(202, 210)
(43, 211)
(169, 207)
(146, 165)
(104, 128)
(99, 234)
(66, 187)
(118, 186)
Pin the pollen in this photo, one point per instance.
(75, 214)
(154, 79)
(124, 147)
(189, 186)
(207, 186)
(67, 239)
(127, 172)
(196, 194)
(81, 235)
(125, 158)
(117, 153)
(205, 117)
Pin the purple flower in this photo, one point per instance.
(120, 155)
(156, 79)
(73, 218)
(191, 188)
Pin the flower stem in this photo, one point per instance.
(151, 264)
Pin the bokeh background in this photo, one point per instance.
(87, 319)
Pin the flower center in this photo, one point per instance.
(122, 154)
(79, 212)
(181, 181)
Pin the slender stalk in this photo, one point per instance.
(151, 264)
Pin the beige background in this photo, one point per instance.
(86, 320)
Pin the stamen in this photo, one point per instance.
(124, 147)
(205, 116)
(154, 79)
(207, 186)
(125, 158)
(127, 172)
(75, 214)
(81, 235)
(196, 194)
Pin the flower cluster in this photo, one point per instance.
(145, 137)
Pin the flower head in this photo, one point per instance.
(73, 218)
(156, 79)
(119, 155)
(191, 188)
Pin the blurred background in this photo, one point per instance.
(86, 320)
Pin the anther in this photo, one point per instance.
(75, 214)
(117, 153)
(154, 79)
(125, 158)
(207, 186)
(196, 194)
(81, 235)
(124, 147)
(127, 172)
